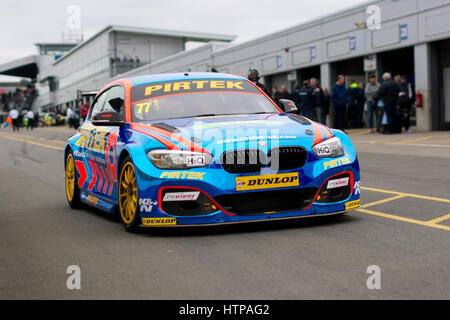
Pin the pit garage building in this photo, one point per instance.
(414, 40)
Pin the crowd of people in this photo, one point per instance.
(15, 108)
(126, 60)
(388, 105)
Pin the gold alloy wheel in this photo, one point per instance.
(70, 178)
(128, 195)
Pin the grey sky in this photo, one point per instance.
(24, 22)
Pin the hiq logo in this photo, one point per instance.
(374, 18)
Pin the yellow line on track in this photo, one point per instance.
(414, 221)
(383, 201)
(440, 219)
(31, 142)
(359, 133)
(32, 137)
(411, 140)
(411, 195)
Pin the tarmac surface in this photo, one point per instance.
(403, 228)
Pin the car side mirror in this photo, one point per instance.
(108, 118)
(288, 106)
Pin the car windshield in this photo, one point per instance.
(197, 98)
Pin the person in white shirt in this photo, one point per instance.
(69, 115)
(30, 117)
(14, 114)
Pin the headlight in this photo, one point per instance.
(331, 148)
(177, 159)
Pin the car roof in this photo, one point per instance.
(137, 81)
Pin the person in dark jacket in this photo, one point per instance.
(339, 98)
(275, 95)
(283, 94)
(305, 100)
(352, 105)
(253, 76)
(405, 102)
(325, 110)
(317, 98)
(388, 93)
(361, 100)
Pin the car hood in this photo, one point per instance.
(241, 131)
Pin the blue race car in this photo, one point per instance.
(206, 149)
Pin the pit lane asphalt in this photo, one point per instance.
(40, 236)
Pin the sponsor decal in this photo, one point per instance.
(323, 151)
(253, 123)
(267, 181)
(256, 138)
(333, 184)
(335, 163)
(357, 188)
(78, 153)
(92, 200)
(195, 161)
(146, 205)
(159, 221)
(352, 205)
(142, 94)
(182, 175)
(181, 196)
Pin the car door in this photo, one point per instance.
(103, 147)
(86, 169)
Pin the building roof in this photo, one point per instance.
(22, 67)
(186, 35)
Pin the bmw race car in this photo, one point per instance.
(206, 149)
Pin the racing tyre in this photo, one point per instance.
(128, 197)
(72, 190)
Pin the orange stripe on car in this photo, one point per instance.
(164, 141)
(188, 144)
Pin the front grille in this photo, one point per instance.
(253, 160)
(243, 161)
(288, 158)
(267, 201)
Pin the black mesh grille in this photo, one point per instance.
(243, 161)
(288, 157)
(252, 160)
(251, 203)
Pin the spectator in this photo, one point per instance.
(352, 105)
(305, 100)
(325, 110)
(361, 101)
(388, 93)
(14, 114)
(84, 112)
(30, 117)
(284, 94)
(405, 101)
(253, 76)
(317, 98)
(138, 61)
(339, 98)
(69, 115)
(370, 92)
(125, 59)
(397, 79)
(275, 95)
